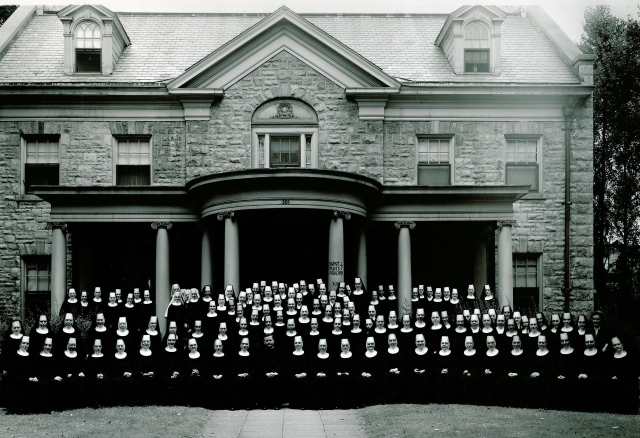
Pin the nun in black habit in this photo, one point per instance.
(97, 371)
(122, 375)
(147, 365)
(243, 366)
(298, 375)
(170, 371)
(218, 378)
(22, 378)
(195, 374)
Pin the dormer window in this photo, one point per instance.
(476, 49)
(88, 48)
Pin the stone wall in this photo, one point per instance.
(224, 143)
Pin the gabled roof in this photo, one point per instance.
(166, 45)
(284, 30)
(461, 12)
(72, 11)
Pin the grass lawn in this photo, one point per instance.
(172, 421)
(481, 421)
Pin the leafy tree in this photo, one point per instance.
(5, 12)
(615, 43)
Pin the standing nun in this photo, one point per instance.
(322, 371)
(146, 308)
(218, 381)
(541, 365)
(368, 374)
(195, 374)
(170, 371)
(122, 375)
(50, 380)
(22, 376)
(491, 370)
(445, 372)
(470, 367)
(299, 376)
(270, 375)
(345, 372)
(620, 380)
(97, 370)
(243, 367)
(71, 367)
(394, 370)
(514, 367)
(419, 368)
(147, 363)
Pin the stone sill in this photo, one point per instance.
(534, 197)
(28, 198)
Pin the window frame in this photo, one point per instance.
(24, 140)
(539, 273)
(488, 49)
(24, 261)
(284, 131)
(116, 140)
(451, 139)
(75, 47)
(539, 158)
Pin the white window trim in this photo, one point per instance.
(451, 139)
(285, 130)
(23, 163)
(539, 265)
(114, 143)
(540, 160)
(23, 284)
(103, 51)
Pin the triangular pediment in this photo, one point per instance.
(477, 12)
(281, 31)
(99, 13)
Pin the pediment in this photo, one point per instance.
(484, 13)
(283, 31)
(75, 13)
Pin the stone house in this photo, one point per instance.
(143, 149)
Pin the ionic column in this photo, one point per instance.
(404, 267)
(336, 249)
(58, 265)
(480, 264)
(206, 265)
(163, 279)
(362, 256)
(231, 251)
(505, 263)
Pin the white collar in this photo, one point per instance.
(469, 353)
(243, 353)
(75, 300)
(304, 320)
(568, 351)
(487, 329)
(454, 302)
(421, 352)
(420, 324)
(101, 328)
(370, 354)
(97, 355)
(381, 330)
(218, 354)
(495, 352)
(13, 336)
(68, 354)
(197, 335)
(393, 351)
(194, 355)
(323, 356)
(619, 356)
(298, 353)
(138, 300)
(436, 327)
(145, 352)
(392, 327)
(97, 300)
(588, 352)
(542, 353)
(461, 329)
(129, 306)
(152, 332)
(346, 355)
(211, 315)
(444, 353)
(45, 355)
(121, 355)
(222, 337)
(513, 352)
(68, 329)
(333, 332)
(124, 333)
(147, 302)
(406, 330)
(110, 304)
(170, 350)
(23, 353)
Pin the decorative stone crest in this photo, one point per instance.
(226, 214)
(343, 214)
(156, 225)
(405, 224)
(52, 225)
(501, 224)
(284, 111)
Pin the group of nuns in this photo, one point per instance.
(307, 346)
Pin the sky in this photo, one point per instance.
(569, 14)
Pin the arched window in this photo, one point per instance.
(476, 48)
(285, 134)
(88, 48)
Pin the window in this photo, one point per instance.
(434, 161)
(285, 134)
(37, 284)
(133, 161)
(88, 48)
(526, 282)
(476, 49)
(41, 162)
(522, 163)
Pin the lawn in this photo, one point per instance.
(173, 421)
(481, 421)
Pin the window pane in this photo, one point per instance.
(42, 175)
(285, 151)
(522, 175)
(133, 175)
(433, 175)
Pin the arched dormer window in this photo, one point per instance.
(284, 134)
(476, 48)
(88, 48)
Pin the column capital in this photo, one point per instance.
(405, 224)
(226, 215)
(510, 223)
(52, 225)
(343, 214)
(156, 225)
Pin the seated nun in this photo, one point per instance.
(368, 376)
(122, 375)
(243, 366)
(298, 375)
(170, 371)
(147, 363)
(97, 372)
(345, 373)
(418, 370)
(270, 389)
(322, 384)
(195, 373)
(394, 371)
(445, 372)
